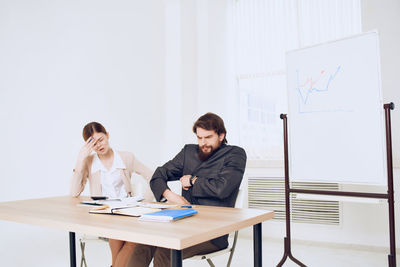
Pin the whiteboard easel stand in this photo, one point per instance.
(389, 196)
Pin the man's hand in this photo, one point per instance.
(175, 198)
(185, 181)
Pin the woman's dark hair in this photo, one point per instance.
(91, 128)
(211, 121)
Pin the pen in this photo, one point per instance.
(101, 207)
(188, 207)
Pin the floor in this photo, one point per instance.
(24, 245)
(309, 254)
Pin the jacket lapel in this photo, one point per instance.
(126, 180)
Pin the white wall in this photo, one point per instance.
(384, 16)
(206, 66)
(67, 63)
(196, 68)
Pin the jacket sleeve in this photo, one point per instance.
(78, 181)
(222, 184)
(170, 171)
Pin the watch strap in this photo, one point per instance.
(191, 180)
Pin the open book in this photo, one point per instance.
(168, 215)
(127, 211)
(130, 209)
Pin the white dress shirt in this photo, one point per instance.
(112, 185)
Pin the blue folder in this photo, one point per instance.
(168, 215)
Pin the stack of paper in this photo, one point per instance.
(114, 202)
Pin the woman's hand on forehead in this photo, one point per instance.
(92, 141)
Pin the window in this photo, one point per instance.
(262, 32)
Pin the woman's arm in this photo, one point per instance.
(80, 173)
(78, 182)
(141, 169)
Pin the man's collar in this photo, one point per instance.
(218, 148)
(222, 145)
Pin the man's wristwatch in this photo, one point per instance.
(192, 179)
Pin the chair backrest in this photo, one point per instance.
(175, 186)
(239, 203)
(140, 187)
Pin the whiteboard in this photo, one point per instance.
(335, 112)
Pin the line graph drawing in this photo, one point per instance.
(314, 90)
(309, 86)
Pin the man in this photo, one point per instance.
(210, 173)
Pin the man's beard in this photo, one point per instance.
(203, 156)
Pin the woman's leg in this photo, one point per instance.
(115, 246)
(124, 254)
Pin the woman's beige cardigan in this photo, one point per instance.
(79, 179)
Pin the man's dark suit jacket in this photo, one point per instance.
(218, 181)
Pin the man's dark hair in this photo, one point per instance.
(211, 121)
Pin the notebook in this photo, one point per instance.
(168, 215)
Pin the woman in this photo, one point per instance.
(109, 173)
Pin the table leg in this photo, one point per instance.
(176, 258)
(257, 245)
(72, 250)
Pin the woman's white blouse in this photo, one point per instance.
(112, 185)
